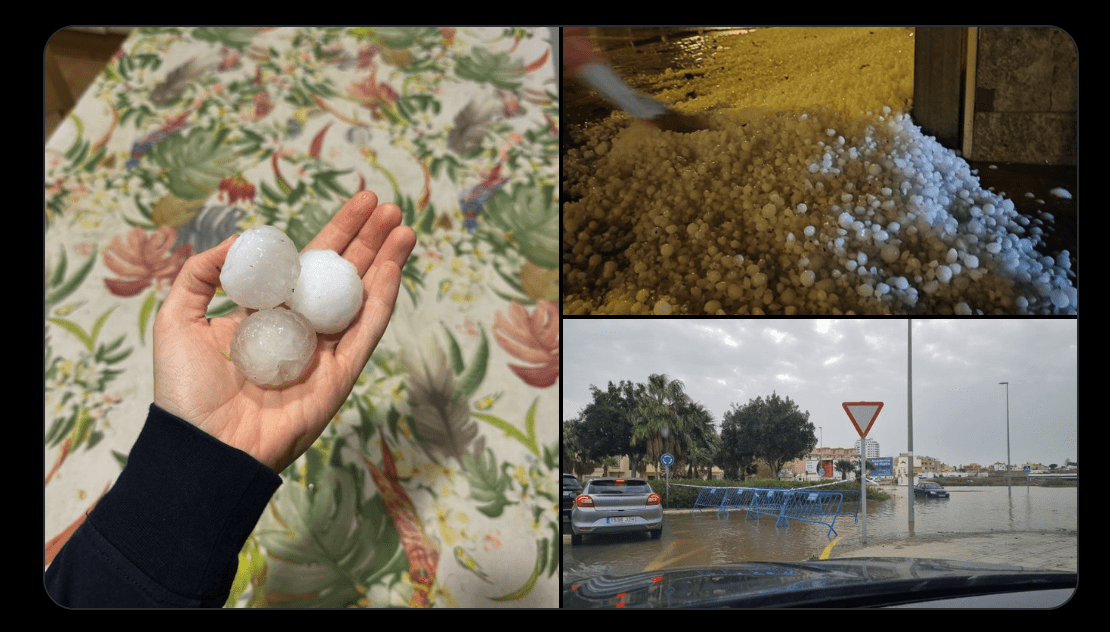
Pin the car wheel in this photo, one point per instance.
(655, 535)
(576, 539)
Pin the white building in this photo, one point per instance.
(872, 448)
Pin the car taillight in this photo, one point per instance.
(654, 499)
(584, 501)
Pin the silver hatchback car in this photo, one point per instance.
(616, 505)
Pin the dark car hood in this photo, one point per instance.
(852, 582)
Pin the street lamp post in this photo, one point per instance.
(909, 414)
(1008, 490)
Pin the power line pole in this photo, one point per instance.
(1008, 490)
(909, 414)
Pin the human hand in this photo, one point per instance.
(195, 379)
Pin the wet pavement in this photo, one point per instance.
(1035, 528)
(1045, 550)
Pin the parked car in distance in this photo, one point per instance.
(930, 490)
(571, 488)
(616, 505)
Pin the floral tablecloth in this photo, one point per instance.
(193, 134)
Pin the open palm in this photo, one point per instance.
(195, 379)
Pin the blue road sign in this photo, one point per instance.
(882, 466)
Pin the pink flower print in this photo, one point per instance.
(262, 104)
(236, 188)
(144, 259)
(372, 94)
(533, 338)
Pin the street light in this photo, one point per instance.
(820, 447)
(1008, 490)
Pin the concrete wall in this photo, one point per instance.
(1025, 96)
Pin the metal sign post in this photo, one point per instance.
(863, 487)
(667, 460)
(863, 415)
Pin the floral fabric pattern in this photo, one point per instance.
(434, 486)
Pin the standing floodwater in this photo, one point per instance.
(707, 539)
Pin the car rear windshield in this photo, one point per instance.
(620, 486)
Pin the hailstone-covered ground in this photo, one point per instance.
(275, 345)
(785, 208)
(794, 213)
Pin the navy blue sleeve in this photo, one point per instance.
(168, 532)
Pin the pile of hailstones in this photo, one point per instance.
(917, 222)
(274, 346)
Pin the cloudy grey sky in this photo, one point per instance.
(959, 407)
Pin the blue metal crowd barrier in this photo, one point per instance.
(737, 498)
(807, 505)
(851, 499)
(711, 497)
(723, 498)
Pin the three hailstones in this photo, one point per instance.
(321, 290)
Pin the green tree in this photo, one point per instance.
(607, 463)
(772, 429)
(572, 449)
(844, 467)
(660, 420)
(734, 455)
(701, 439)
(605, 425)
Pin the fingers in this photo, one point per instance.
(196, 284)
(346, 224)
(359, 230)
(398, 246)
(382, 282)
(365, 249)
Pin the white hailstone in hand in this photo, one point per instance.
(273, 347)
(328, 292)
(261, 268)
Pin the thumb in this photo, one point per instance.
(196, 284)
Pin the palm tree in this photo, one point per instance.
(660, 418)
(606, 463)
(699, 434)
(844, 467)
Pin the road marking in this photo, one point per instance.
(828, 549)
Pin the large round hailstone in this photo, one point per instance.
(273, 347)
(261, 268)
(328, 292)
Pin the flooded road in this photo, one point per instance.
(708, 539)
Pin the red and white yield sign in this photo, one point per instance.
(862, 414)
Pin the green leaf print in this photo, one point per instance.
(195, 162)
(489, 483)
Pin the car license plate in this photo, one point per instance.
(620, 520)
